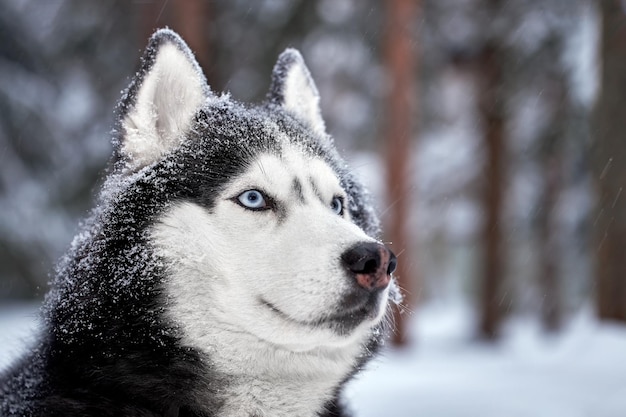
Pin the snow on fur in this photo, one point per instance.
(108, 344)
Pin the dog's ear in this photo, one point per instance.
(158, 107)
(293, 89)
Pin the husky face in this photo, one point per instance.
(267, 258)
(273, 242)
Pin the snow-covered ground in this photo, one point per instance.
(18, 324)
(446, 373)
(579, 373)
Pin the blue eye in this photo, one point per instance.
(252, 199)
(337, 205)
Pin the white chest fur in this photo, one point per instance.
(259, 380)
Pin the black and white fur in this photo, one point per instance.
(189, 294)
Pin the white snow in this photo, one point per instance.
(580, 372)
(446, 373)
(18, 326)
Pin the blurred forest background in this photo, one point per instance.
(491, 132)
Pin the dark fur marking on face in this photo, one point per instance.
(297, 189)
(316, 190)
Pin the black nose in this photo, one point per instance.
(371, 263)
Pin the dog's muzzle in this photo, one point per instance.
(369, 267)
(371, 264)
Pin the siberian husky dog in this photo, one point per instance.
(231, 267)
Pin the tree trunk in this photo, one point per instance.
(548, 245)
(492, 114)
(400, 56)
(550, 157)
(609, 166)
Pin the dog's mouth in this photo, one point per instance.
(348, 317)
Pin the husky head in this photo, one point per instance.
(259, 228)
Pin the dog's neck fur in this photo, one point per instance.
(264, 380)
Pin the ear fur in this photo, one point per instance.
(293, 89)
(161, 101)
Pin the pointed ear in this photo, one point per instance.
(158, 107)
(293, 89)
